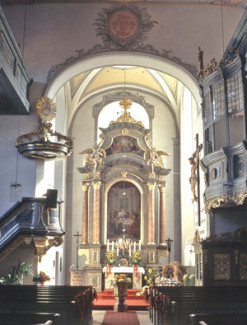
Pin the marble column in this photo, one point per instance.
(84, 237)
(151, 211)
(162, 189)
(96, 212)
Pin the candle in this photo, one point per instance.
(112, 245)
(134, 246)
(139, 244)
(117, 250)
(129, 250)
(108, 245)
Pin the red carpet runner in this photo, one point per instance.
(126, 318)
(106, 300)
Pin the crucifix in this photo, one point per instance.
(125, 103)
(195, 177)
(77, 235)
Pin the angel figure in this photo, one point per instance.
(154, 157)
(95, 157)
(98, 157)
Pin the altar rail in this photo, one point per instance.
(191, 305)
(24, 304)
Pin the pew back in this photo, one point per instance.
(31, 303)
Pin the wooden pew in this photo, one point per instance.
(206, 303)
(19, 299)
(225, 317)
(25, 318)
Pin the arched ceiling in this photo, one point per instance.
(131, 77)
(144, 75)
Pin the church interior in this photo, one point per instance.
(123, 149)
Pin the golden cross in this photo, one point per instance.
(125, 103)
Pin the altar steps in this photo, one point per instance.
(106, 300)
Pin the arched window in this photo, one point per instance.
(112, 111)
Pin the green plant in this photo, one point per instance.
(151, 275)
(15, 276)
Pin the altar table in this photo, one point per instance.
(137, 282)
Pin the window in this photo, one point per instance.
(113, 111)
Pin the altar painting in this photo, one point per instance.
(123, 217)
(124, 144)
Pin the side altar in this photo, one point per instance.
(129, 271)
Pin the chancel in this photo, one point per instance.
(131, 117)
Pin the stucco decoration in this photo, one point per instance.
(127, 34)
(98, 48)
(123, 26)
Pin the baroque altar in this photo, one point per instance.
(123, 196)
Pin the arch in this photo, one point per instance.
(122, 58)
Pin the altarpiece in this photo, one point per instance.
(123, 197)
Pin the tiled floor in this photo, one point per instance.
(98, 316)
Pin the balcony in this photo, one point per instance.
(14, 79)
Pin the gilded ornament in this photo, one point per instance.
(126, 117)
(46, 109)
(96, 174)
(151, 186)
(85, 186)
(85, 175)
(124, 174)
(97, 185)
(125, 131)
(162, 188)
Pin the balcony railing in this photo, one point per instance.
(14, 79)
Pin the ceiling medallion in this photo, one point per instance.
(44, 143)
(123, 26)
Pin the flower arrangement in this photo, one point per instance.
(151, 276)
(110, 257)
(41, 277)
(136, 258)
(122, 278)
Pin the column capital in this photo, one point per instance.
(162, 187)
(85, 186)
(151, 186)
(96, 185)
